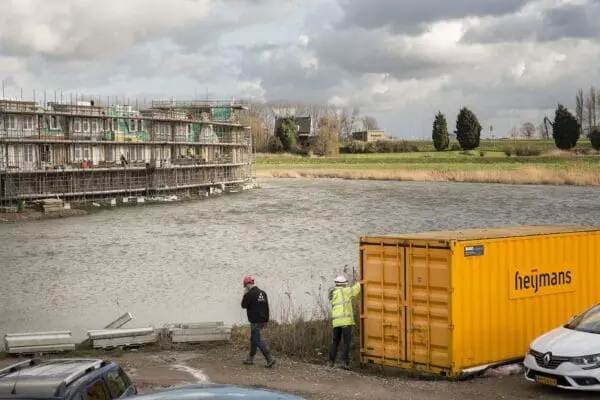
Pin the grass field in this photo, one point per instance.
(486, 164)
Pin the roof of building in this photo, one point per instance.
(491, 233)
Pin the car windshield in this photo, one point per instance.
(588, 321)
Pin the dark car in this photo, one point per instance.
(216, 392)
(65, 379)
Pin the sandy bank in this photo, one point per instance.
(534, 175)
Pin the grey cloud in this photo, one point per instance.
(572, 21)
(408, 16)
(360, 51)
(284, 77)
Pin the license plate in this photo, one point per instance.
(544, 380)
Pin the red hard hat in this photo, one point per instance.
(247, 280)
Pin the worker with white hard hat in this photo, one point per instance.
(342, 314)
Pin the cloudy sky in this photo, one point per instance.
(510, 61)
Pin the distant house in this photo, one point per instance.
(304, 128)
(369, 135)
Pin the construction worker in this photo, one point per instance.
(340, 299)
(256, 303)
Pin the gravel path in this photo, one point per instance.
(223, 365)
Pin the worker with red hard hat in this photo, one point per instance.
(256, 303)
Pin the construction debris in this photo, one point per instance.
(39, 342)
(199, 332)
(119, 322)
(113, 338)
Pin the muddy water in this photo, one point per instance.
(184, 262)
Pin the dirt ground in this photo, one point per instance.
(153, 370)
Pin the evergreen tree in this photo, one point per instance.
(595, 138)
(468, 129)
(565, 129)
(440, 137)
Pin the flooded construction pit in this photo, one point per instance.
(185, 262)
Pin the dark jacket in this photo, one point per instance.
(256, 303)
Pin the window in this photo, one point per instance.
(94, 126)
(109, 153)
(53, 122)
(28, 156)
(45, 153)
(86, 153)
(77, 125)
(118, 382)
(12, 122)
(77, 153)
(85, 125)
(28, 123)
(141, 124)
(97, 392)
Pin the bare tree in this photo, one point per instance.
(527, 130)
(370, 123)
(347, 122)
(542, 132)
(590, 109)
(514, 133)
(579, 107)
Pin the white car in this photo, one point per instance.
(568, 357)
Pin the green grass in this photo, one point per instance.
(449, 160)
(498, 145)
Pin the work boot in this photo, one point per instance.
(331, 364)
(270, 363)
(346, 365)
(249, 361)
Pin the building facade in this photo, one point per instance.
(369, 135)
(85, 150)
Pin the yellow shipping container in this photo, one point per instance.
(455, 303)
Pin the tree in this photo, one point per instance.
(579, 106)
(527, 130)
(286, 133)
(327, 141)
(468, 129)
(347, 122)
(260, 137)
(542, 131)
(595, 138)
(590, 108)
(440, 137)
(565, 129)
(370, 123)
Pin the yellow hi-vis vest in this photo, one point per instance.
(341, 305)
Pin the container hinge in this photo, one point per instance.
(451, 327)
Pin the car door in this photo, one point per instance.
(119, 384)
(97, 391)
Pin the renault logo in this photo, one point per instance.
(547, 358)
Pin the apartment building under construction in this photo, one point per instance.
(85, 150)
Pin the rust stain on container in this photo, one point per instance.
(454, 302)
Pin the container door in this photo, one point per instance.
(428, 318)
(382, 304)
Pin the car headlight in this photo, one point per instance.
(587, 362)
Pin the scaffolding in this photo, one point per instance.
(90, 149)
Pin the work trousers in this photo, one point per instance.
(256, 342)
(339, 333)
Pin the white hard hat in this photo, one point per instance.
(341, 280)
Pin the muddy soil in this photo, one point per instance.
(154, 370)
